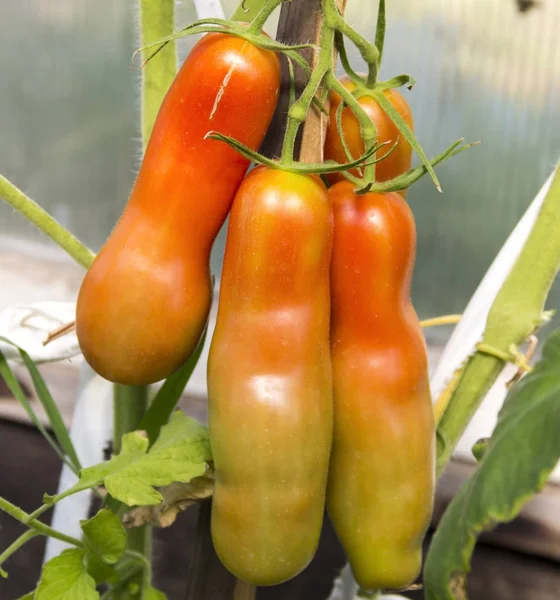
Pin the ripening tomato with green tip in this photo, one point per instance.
(269, 378)
(144, 302)
(382, 471)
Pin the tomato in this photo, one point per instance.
(382, 474)
(144, 302)
(269, 378)
(396, 163)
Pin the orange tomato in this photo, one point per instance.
(382, 473)
(396, 163)
(144, 302)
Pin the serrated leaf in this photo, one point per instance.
(65, 578)
(51, 409)
(105, 535)
(522, 452)
(180, 454)
(150, 593)
(14, 386)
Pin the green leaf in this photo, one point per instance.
(407, 133)
(65, 578)
(29, 596)
(13, 385)
(522, 452)
(51, 409)
(180, 454)
(100, 571)
(150, 593)
(167, 397)
(105, 535)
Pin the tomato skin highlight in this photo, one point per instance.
(269, 378)
(396, 163)
(382, 472)
(144, 301)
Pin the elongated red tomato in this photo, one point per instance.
(144, 301)
(381, 481)
(269, 378)
(397, 162)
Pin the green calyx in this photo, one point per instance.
(369, 85)
(333, 34)
(249, 32)
(329, 166)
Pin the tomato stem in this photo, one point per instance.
(298, 110)
(333, 29)
(247, 10)
(15, 546)
(258, 22)
(329, 166)
(380, 34)
(340, 129)
(367, 50)
(367, 126)
(341, 48)
(35, 525)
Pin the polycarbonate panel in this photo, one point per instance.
(485, 71)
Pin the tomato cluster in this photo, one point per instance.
(317, 375)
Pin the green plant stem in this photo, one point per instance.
(130, 404)
(15, 546)
(332, 27)
(47, 224)
(157, 20)
(347, 151)
(260, 19)
(368, 51)
(41, 528)
(495, 352)
(368, 128)
(247, 10)
(299, 109)
(345, 61)
(515, 314)
(379, 38)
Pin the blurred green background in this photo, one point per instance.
(485, 71)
